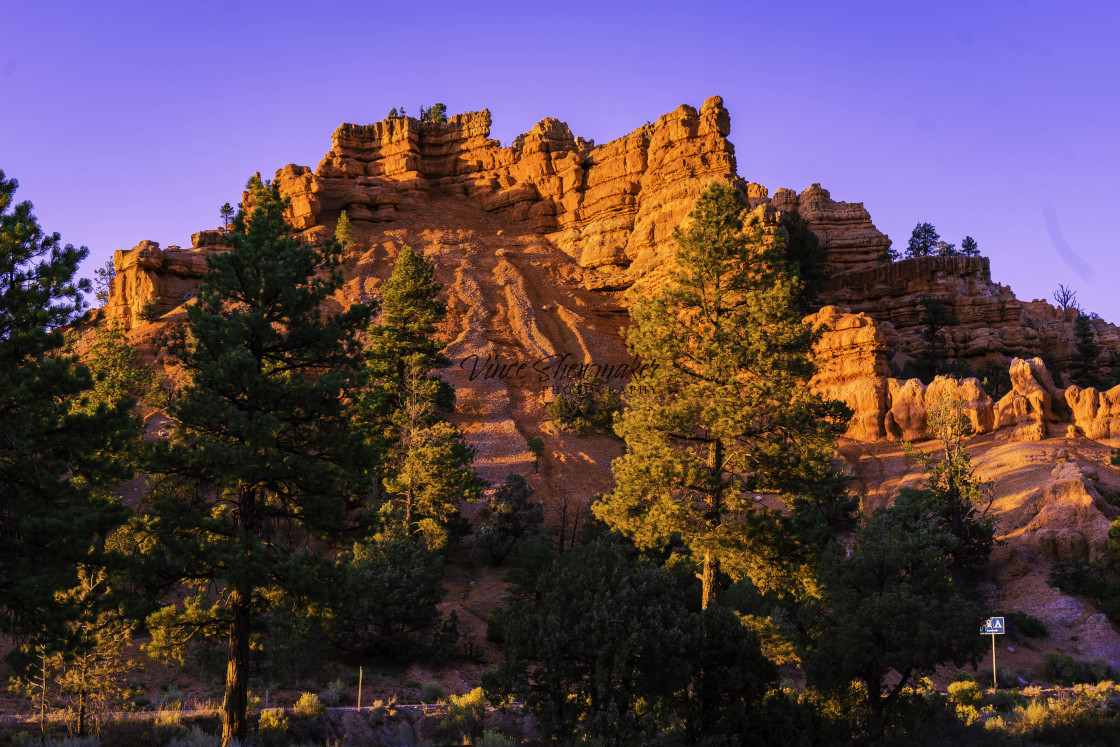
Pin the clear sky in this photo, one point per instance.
(128, 121)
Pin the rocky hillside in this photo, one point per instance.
(536, 245)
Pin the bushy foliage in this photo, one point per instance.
(1077, 576)
(891, 604)
(432, 692)
(509, 515)
(584, 404)
(272, 729)
(309, 707)
(1021, 623)
(437, 112)
(606, 646)
(465, 718)
(386, 599)
(118, 373)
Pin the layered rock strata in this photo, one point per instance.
(150, 281)
(612, 208)
(989, 324)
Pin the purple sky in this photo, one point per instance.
(129, 121)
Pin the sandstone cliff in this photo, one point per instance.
(600, 219)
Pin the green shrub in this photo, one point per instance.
(966, 693)
(583, 404)
(273, 726)
(963, 676)
(1077, 576)
(195, 738)
(491, 738)
(432, 692)
(465, 716)
(309, 706)
(1060, 669)
(149, 312)
(335, 693)
(496, 625)
(387, 601)
(168, 724)
(1020, 623)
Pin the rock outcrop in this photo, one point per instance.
(851, 359)
(844, 228)
(612, 208)
(150, 281)
(989, 324)
(1066, 518)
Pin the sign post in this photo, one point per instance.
(993, 626)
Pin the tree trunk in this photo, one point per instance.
(82, 700)
(234, 705)
(714, 518)
(708, 580)
(43, 693)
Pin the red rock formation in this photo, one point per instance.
(844, 228)
(852, 367)
(992, 326)
(150, 281)
(612, 208)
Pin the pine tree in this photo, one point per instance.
(1087, 352)
(56, 464)
(430, 470)
(969, 247)
(891, 605)
(427, 462)
(923, 241)
(343, 231)
(403, 343)
(93, 674)
(226, 211)
(954, 494)
(730, 412)
(265, 462)
(103, 281)
(509, 515)
(807, 258)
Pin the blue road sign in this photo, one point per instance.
(992, 626)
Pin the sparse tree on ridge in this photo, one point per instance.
(730, 412)
(1065, 297)
(969, 247)
(226, 212)
(435, 113)
(923, 241)
(103, 281)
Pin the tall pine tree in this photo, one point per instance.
(265, 461)
(729, 411)
(56, 463)
(428, 464)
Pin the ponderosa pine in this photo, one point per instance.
(728, 412)
(265, 460)
(56, 462)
